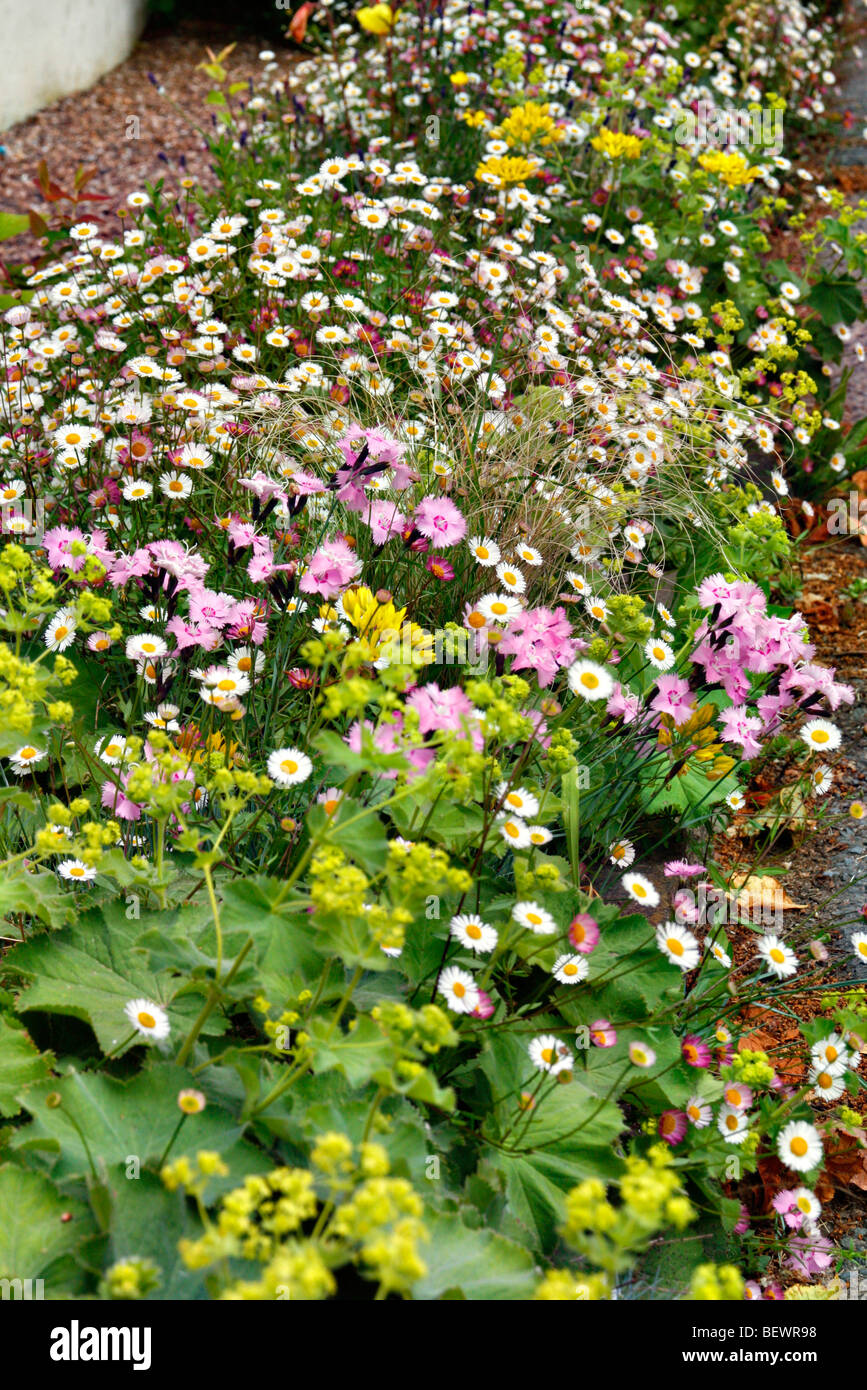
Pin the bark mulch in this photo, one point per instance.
(96, 128)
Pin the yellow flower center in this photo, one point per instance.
(146, 1020)
(570, 969)
(675, 946)
(459, 989)
(288, 766)
(473, 931)
(776, 955)
(60, 633)
(798, 1146)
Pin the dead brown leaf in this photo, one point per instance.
(763, 890)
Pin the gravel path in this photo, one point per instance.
(122, 126)
(850, 855)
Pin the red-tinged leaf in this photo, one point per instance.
(92, 198)
(83, 176)
(38, 225)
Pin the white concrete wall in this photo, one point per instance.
(49, 48)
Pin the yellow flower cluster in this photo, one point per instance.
(383, 630)
(530, 124)
(696, 740)
(569, 1286)
(368, 1218)
(732, 167)
(500, 171)
(615, 145)
(651, 1197)
(716, 1283)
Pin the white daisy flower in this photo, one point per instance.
(136, 490)
(799, 1146)
(732, 1124)
(515, 832)
(807, 1203)
(641, 889)
(472, 932)
(821, 779)
(531, 915)
(498, 608)
(778, 957)
(659, 654)
(175, 485)
(859, 944)
(486, 551)
(539, 835)
(148, 1019)
(826, 1086)
(511, 578)
(621, 853)
(570, 970)
(76, 871)
(549, 1054)
(60, 632)
(459, 990)
(111, 750)
(529, 555)
(679, 945)
(821, 734)
(517, 799)
(25, 758)
(147, 646)
(288, 766)
(698, 1112)
(830, 1054)
(589, 680)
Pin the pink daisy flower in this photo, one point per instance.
(583, 934)
(695, 1052)
(603, 1033)
(672, 1126)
